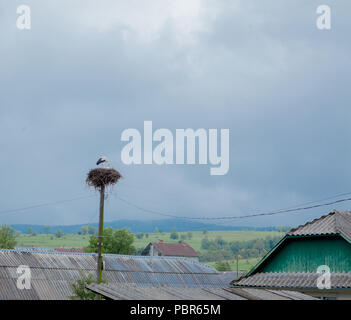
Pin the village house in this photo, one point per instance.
(314, 258)
(127, 278)
(170, 249)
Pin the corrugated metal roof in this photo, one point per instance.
(34, 249)
(69, 250)
(53, 273)
(294, 280)
(132, 292)
(175, 249)
(336, 222)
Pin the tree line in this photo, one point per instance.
(219, 249)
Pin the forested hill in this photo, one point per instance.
(165, 225)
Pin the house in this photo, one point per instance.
(170, 250)
(314, 258)
(52, 273)
(128, 277)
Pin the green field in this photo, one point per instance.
(50, 241)
(197, 237)
(79, 241)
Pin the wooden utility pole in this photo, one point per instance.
(100, 178)
(237, 265)
(100, 237)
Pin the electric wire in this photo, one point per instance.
(269, 213)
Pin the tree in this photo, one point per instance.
(114, 241)
(204, 231)
(139, 235)
(79, 288)
(189, 234)
(29, 230)
(46, 229)
(84, 230)
(174, 234)
(283, 228)
(7, 237)
(157, 230)
(205, 243)
(222, 266)
(183, 236)
(59, 234)
(92, 230)
(219, 240)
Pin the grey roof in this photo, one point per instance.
(132, 292)
(293, 280)
(173, 249)
(52, 273)
(336, 222)
(229, 276)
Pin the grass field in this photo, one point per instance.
(50, 241)
(197, 237)
(79, 241)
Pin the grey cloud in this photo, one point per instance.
(83, 74)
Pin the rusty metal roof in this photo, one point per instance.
(292, 280)
(336, 222)
(132, 292)
(175, 249)
(53, 273)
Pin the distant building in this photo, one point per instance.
(170, 249)
(302, 259)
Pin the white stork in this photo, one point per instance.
(104, 160)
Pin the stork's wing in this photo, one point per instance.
(100, 161)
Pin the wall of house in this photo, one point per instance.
(306, 254)
(153, 251)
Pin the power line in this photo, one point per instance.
(44, 204)
(294, 209)
(315, 201)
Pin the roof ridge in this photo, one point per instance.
(344, 226)
(94, 254)
(277, 274)
(312, 221)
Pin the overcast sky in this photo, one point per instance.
(87, 70)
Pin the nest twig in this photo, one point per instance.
(102, 177)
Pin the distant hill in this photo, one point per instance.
(135, 226)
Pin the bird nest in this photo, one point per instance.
(102, 177)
